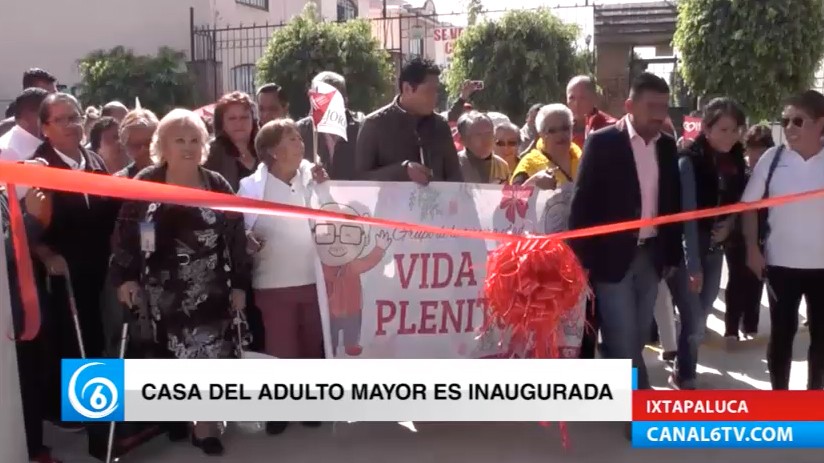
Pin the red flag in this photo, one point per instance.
(320, 103)
(207, 111)
(692, 127)
(456, 137)
(328, 110)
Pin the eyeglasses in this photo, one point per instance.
(328, 233)
(66, 121)
(554, 130)
(796, 121)
(507, 142)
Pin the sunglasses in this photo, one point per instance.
(507, 142)
(796, 121)
(554, 130)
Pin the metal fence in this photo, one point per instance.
(224, 57)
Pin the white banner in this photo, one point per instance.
(388, 293)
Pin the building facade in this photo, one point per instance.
(54, 35)
(410, 28)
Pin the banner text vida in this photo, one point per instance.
(432, 271)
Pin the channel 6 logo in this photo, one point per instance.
(92, 390)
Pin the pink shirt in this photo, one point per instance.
(646, 164)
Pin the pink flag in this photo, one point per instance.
(328, 110)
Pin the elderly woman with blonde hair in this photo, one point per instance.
(184, 265)
(553, 161)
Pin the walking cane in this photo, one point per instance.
(124, 335)
(75, 316)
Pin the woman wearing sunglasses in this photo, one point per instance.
(553, 161)
(792, 260)
(712, 174)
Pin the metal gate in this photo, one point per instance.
(224, 58)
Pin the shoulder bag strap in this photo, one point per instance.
(763, 214)
(563, 171)
(770, 173)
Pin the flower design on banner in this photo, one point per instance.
(427, 200)
(515, 201)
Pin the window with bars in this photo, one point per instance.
(347, 10)
(416, 47)
(260, 4)
(243, 78)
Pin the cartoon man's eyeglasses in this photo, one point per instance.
(327, 233)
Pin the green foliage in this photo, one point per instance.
(757, 52)
(524, 58)
(585, 62)
(307, 46)
(162, 82)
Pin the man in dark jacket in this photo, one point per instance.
(629, 171)
(336, 154)
(406, 140)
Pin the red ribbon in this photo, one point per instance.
(25, 270)
(103, 185)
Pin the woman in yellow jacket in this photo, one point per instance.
(553, 161)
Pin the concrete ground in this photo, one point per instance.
(743, 367)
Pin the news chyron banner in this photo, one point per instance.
(390, 390)
(728, 419)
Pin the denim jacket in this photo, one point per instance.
(708, 179)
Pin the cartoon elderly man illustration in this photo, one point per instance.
(344, 256)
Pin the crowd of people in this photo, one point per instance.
(199, 283)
